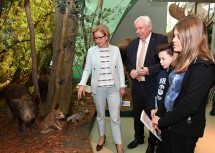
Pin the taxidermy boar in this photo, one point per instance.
(52, 120)
(23, 106)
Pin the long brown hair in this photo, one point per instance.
(194, 40)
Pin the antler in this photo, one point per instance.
(207, 20)
(178, 12)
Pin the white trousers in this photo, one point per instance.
(111, 95)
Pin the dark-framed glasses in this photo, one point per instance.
(99, 38)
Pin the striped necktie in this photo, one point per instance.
(140, 59)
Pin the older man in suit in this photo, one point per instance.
(143, 66)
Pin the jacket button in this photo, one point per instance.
(94, 68)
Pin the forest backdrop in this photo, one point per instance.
(48, 41)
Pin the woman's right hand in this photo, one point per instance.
(81, 91)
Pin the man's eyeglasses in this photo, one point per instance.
(99, 38)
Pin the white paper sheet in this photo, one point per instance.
(148, 123)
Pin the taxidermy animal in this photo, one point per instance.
(52, 120)
(23, 106)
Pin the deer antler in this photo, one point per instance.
(207, 20)
(178, 13)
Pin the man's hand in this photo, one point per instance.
(134, 74)
(142, 71)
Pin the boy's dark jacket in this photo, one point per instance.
(188, 115)
(159, 92)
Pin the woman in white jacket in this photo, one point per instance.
(107, 83)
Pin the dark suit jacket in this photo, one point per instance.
(151, 60)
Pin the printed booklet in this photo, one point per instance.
(148, 123)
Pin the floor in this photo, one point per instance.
(204, 145)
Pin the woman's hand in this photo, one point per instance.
(122, 91)
(156, 128)
(81, 91)
(155, 119)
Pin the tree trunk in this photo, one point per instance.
(100, 14)
(60, 83)
(1, 6)
(87, 43)
(33, 48)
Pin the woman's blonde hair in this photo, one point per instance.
(194, 40)
(102, 28)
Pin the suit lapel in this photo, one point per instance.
(97, 54)
(135, 52)
(151, 42)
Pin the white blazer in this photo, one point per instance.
(93, 66)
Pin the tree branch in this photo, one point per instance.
(15, 43)
(43, 17)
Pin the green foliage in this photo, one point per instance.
(15, 53)
(31, 89)
(109, 17)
